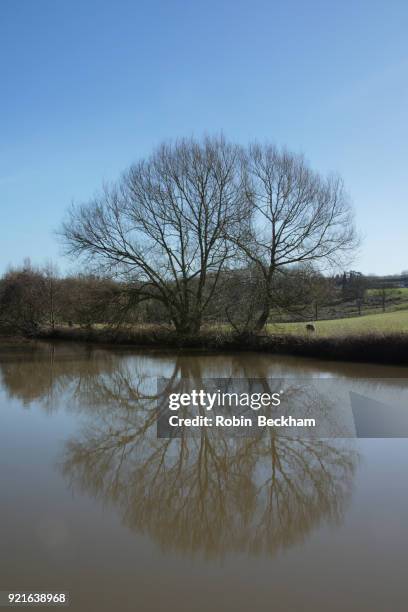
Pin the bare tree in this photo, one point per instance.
(293, 216)
(52, 293)
(318, 290)
(164, 226)
(176, 221)
(22, 300)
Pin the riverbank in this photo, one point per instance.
(12, 341)
(386, 348)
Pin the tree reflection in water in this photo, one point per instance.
(210, 494)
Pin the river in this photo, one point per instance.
(93, 504)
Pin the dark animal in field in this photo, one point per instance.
(310, 327)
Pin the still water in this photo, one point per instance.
(94, 504)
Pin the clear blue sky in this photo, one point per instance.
(87, 87)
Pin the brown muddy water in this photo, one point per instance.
(94, 504)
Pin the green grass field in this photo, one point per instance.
(377, 323)
(401, 292)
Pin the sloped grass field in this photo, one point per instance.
(384, 323)
(401, 292)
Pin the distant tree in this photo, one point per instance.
(22, 299)
(354, 288)
(89, 299)
(318, 290)
(52, 292)
(388, 294)
(383, 296)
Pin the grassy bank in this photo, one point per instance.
(390, 347)
(13, 341)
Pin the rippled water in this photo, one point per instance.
(94, 504)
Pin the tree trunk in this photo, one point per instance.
(264, 316)
(187, 325)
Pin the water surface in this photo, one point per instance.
(94, 504)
